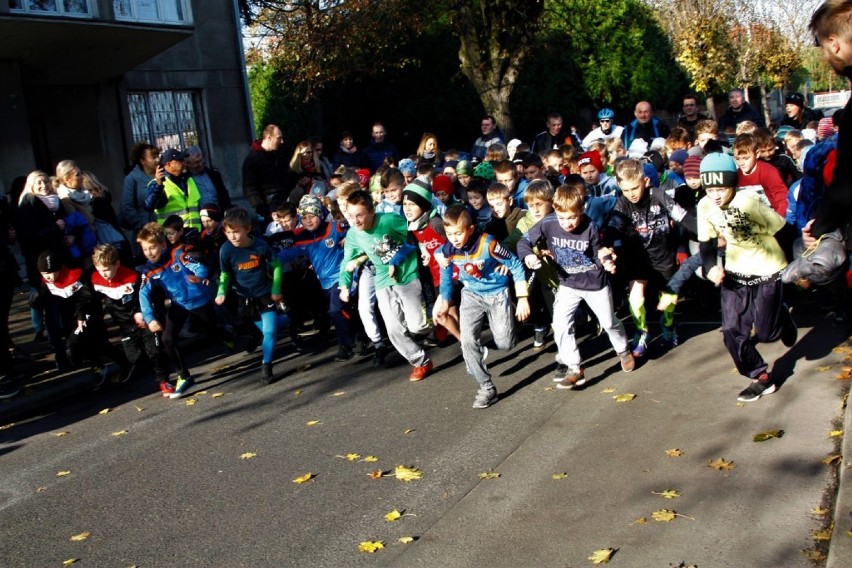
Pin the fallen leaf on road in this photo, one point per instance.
(741, 404)
(819, 511)
(304, 368)
(81, 536)
(370, 459)
(835, 433)
(377, 474)
(489, 475)
(824, 534)
(393, 516)
(217, 395)
(248, 455)
(60, 434)
(674, 453)
(200, 393)
(849, 533)
(349, 457)
(664, 515)
(63, 473)
(549, 388)
(559, 476)
(338, 393)
(70, 561)
(667, 494)
(302, 479)
(371, 546)
(640, 521)
(405, 539)
(40, 489)
(120, 433)
(105, 411)
(313, 422)
(601, 556)
(763, 436)
(298, 392)
(831, 460)
(823, 368)
(139, 409)
(409, 431)
(842, 350)
(405, 473)
(609, 390)
(815, 555)
(845, 374)
(721, 464)
(626, 397)
(190, 401)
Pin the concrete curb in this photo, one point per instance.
(840, 547)
(57, 389)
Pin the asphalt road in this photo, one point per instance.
(173, 489)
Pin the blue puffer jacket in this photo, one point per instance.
(183, 280)
(323, 247)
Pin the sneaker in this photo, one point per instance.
(344, 353)
(485, 397)
(166, 388)
(539, 338)
(266, 373)
(419, 373)
(640, 344)
(253, 342)
(761, 386)
(8, 388)
(298, 343)
(574, 378)
(362, 348)
(431, 340)
(789, 333)
(561, 372)
(669, 337)
(628, 363)
(379, 355)
(182, 387)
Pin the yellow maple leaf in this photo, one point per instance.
(842, 350)
(741, 404)
(70, 561)
(834, 459)
(313, 422)
(640, 521)
(393, 515)
(190, 401)
(405, 473)
(377, 474)
(105, 411)
(217, 395)
(823, 368)
(139, 409)
(298, 392)
(609, 390)
(815, 555)
(824, 534)
(819, 511)
(721, 464)
(351, 457)
(674, 453)
(664, 515)
(763, 436)
(81, 536)
(601, 556)
(120, 433)
(370, 459)
(405, 539)
(626, 397)
(338, 393)
(304, 478)
(371, 546)
(489, 475)
(835, 433)
(200, 393)
(247, 455)
(60, 434)
(409, 431)
(667, 493)
(63, 473)
(559, 475)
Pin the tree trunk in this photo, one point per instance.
(711, 107)
(764, 102)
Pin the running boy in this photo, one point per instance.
(246, 262)
(751, 285)
(485, 294)
(573, 242)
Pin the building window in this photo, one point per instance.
(166, 119)
(76, 8)
(165, 11)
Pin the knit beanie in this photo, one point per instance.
(592, 157)
(485, 171)
(825, 128)
(451, 164)
(212, 211)
(363, 176)
(442, 183)
(418, 195)
(407, 166)
(48, 261)
(718, 170)
(692, 167)
(463, 168)
(679, 156)
(310, 205)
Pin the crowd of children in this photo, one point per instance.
(415, 256)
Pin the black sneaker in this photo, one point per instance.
(430, 340)
(362, 348)
(789, 332)
(8, 388)
(266, 373)
(561, 371)
(539, 339)
(759, 387)
(343, 353)
(379, 355)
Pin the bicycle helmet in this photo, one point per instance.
(606, 114)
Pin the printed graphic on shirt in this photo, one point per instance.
(252, 263)
(386, 248)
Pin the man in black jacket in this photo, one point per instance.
(208, 180)
(738, 111)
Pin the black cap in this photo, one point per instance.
(171, 154)
(48, 261)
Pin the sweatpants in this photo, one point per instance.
(367, 303)
(473, 310)
(401, 306)
(760, 306)
(565, 311)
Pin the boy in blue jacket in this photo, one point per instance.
(484, 294)
(185, 283)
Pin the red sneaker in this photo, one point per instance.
(166, 388)
(419, 373)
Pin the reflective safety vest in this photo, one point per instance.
(184, 205)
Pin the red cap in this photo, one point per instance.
(592, 157)
(442, 183)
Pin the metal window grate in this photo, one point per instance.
(166, 119)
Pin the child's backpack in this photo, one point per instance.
(813, 185)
